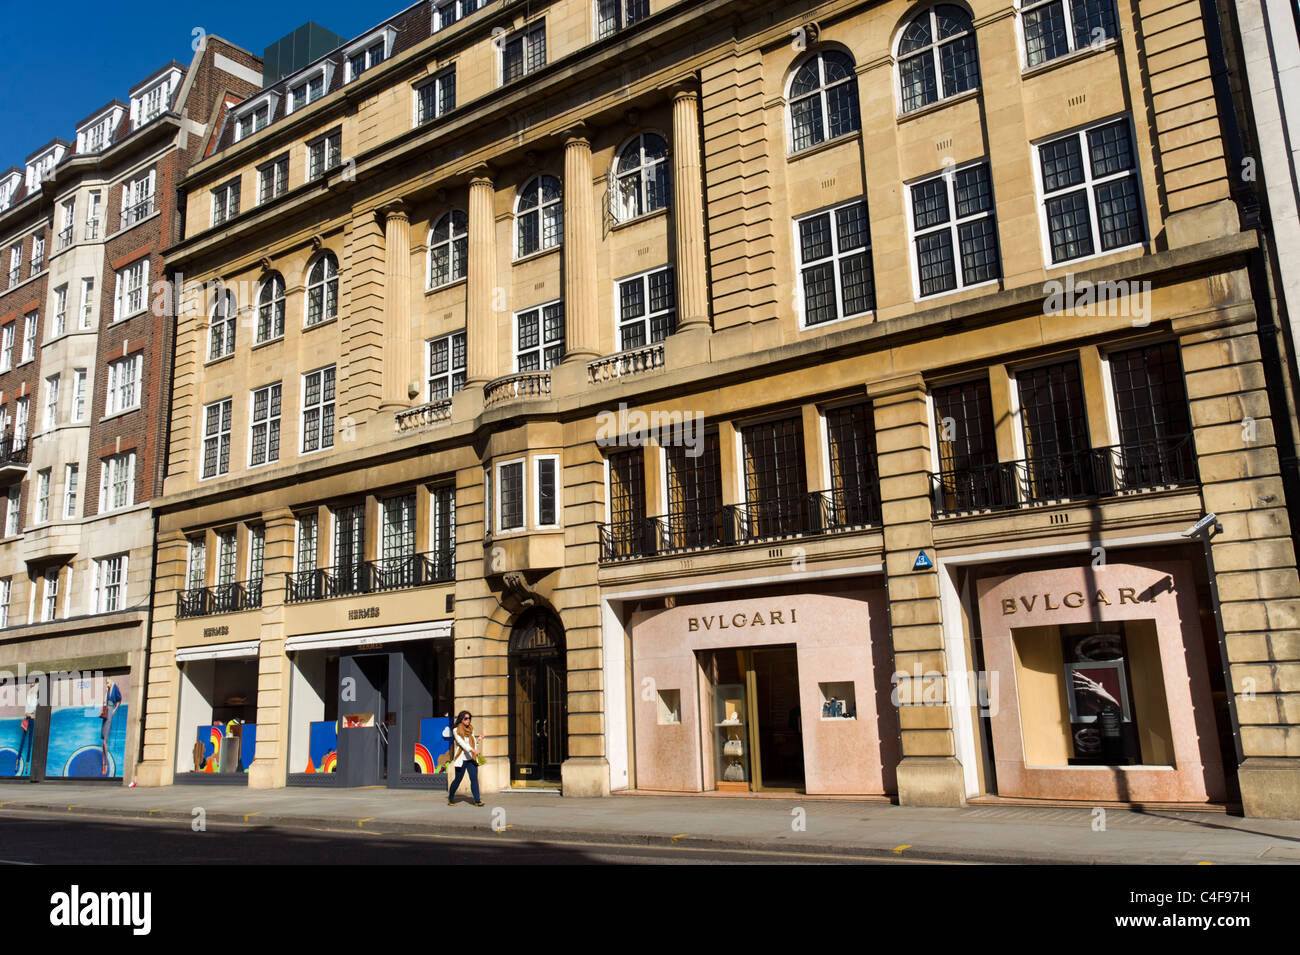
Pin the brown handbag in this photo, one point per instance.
(26, 724)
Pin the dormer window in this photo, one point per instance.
(447, 12)
(96, 134)
(367, 53)
(310, 87)
(8, 187)
(151, 101)
(41, 165)
(254, 115)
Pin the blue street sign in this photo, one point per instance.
(923, 562)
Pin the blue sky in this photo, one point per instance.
(106, 48)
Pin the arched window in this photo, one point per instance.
(641, 177)
(936, 57)
(323, 290)
(270, 308)
(539, 216)
(823, 97)
(221, 329)
(448, 249)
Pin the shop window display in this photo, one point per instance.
(1093, 695)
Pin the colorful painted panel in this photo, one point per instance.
(323, 748)
(84, 744)
(435, 734)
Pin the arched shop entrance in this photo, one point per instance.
(538, 687)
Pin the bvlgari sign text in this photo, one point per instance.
(758, 618)
(1073, 600)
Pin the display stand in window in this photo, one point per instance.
(731, 737)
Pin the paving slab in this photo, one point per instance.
(1015, 834)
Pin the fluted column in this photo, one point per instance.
(397, 308)
(582, 324)
(480, 320)
(688, 212)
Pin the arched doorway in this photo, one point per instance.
(539, 739)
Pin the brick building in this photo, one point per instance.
(84, 380)
(710, 395)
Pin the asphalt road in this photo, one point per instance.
(66, 839)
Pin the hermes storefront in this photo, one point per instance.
(747, 691)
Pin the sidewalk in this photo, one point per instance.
(1012, 834)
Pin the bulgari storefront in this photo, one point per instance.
(748, 691)
(1107, 682)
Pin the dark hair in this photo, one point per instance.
(461, 715)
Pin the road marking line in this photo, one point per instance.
(680, 835)
(898, 850)
(247, 815)
(361, 822)
(1205, 863)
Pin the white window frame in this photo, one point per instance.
(303, 81)
(49, 594)
(328, 286)
(6, 593)
(60, 323)
(835, 258)
(537, 491)
(92, 217)
(1089, 184)
(528, 39)
(13, 507)
(71, 488)
(131, 279)
(932, 50)
(31, 322)
(44, 478)
(1067, 16)
(7, 345)
(38, 254)
(330, 158)
(437, 85)
(87, 302)
(450, 245)
(245, 115)
(270, 422)
(642, 174)
(225, 416)
(116, 471)
(322, 435)
(461, 9)
(155, 99)
(278, 172)
(107, 569)
(539, 210)
(79, 381)
(22, 421)
(542, 344)
(136, 192)
(224, 316)
(644, 320)
(949, 177)
(449, 376)
(276, 305)
(225, 201)
(52, 402)
(125, 383)
(523, 495)
(365, 47)
(622, 18)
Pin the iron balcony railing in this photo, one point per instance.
(14, 273)
(141, 210)
(806, 515)
(1074, 475)
(65, 238)
(14, 451)
(221, 598)
(370, 577)
(92, 230)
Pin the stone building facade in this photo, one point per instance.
(84, 377)
(711, 396)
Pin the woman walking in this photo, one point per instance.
(464, 748)
(112, 700)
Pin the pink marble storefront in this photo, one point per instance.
(838, 639)
(1154, 606)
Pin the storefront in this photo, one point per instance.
(764, 691)
(1106, 684)
(65, 724)
(217, 712)
(370, 707)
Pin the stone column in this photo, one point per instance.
(1253, 556)
(929, 773)
(397, 308)
(480, 319)
(270, 762)
(582, 323)
(688, 213)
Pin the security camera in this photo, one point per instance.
(1203, 526)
